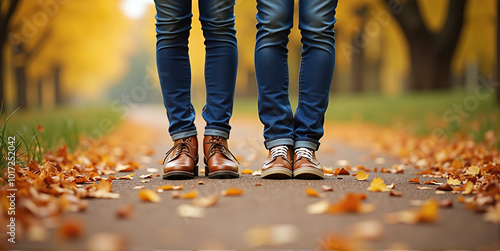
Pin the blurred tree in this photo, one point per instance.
(498, 53)
(7, 10)
(358, 58)
(430, 52)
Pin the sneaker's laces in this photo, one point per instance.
(182, 147)
(279, 151)
(304, 153)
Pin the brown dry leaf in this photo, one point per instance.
(107, 242)
(246, 171)
(391, 186)
(395, 193)
(378, 185)
(125, 211)
(453, 182)
(233, 191)
(273, 235)
(71, 229)
(446, 203)
(149, 195)
(384, 170)
(311, 192)
(258, 184)
(351, 203)
(445, 187)
(319, 207)
(327, 188)
(175, 194)
(423, 188)
(432, 182)
(362, 175)
(146, 176)
(343, 171)
(415, 180)
(369, 230)
(189, 211)
(493, 214)
(124, 168)
(472, 170)
(206, 201)
(189, 195)
(200, 182)
(127, 177)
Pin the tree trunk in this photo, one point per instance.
(357, 63)
(498, 53)
(57, 85)
(20, 73)
(430, 68)
(2, 77)
(40, 92)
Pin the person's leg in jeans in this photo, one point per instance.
(316, 23)
(221, 62)
(173, 23)
(275, 19)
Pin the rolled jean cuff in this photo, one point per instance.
(278, 142)
(311, 144)
(184, 134)
(216, 132)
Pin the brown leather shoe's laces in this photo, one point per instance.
(182, 147)
(216, 146)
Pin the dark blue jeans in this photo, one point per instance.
(316, 22)
(173, 23)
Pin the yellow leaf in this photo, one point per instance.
(493, 214)
(246, 171)
(429, 212)
(189, 195)
(361, 175)
(149, 195)
(454, 182)
(311, 192)
(233, 191)
(472, 170)
(468, 187)
(378, 185)
(319, 207)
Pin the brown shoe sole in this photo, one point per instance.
(181, 175)
(277, 173)
(308, 173)
(223, 174)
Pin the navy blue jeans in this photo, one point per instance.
(316, 22)
(173, 23)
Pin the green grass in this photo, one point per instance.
(61, 126)
(418, 113)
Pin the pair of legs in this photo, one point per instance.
(282, 128)
(173, 26)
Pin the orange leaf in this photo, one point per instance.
(361, 175)
(189, 195)
(415, 180)
(128, 177)
(246, 171)
(149, 195)
(311, 192)
(327, 169)
(343, 171)
(40, 128)
(233, 191)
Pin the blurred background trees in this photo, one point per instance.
(56, 52)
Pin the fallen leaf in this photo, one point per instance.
(453, 182)
(445, 187)
(493, 214)
(175, 194)
(379, 161)
(258, 184)
(189, 195)
(384, 170)
(149, 195)
(351, 203)
(439, 192)
(246, 171)
(378, 185)
(127, 177)
(200, 182)
(125, 211)
(432, 182)
(343, 171)
(311, 192)
(124, 168)
(342, 163)
(369, 230)
(138, 187)
(423, 188)
(233, 191)
(391, 186)
(71, 229)
(362, 175)
(468, 187)
(472, 170)
(189, 211)
(151, 170)
(319, 207)
(395, 193)
(37, 233)
(446, 203)
(146, 176)
(40, 128)
(273, 235)
(415, 180)
(206, 201)
(427, 212)
(327, 170)
(257, 173)
(107, 242)
(170, 187)
(327, 188)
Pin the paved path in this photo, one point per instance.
(156, 225)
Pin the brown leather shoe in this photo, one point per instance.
(182, 159)
(305, 165)
(220, 163)
(278, 164)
